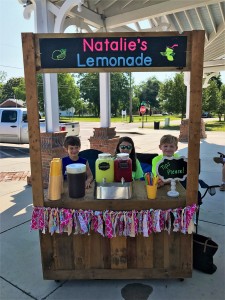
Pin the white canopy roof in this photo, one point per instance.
(147, 15)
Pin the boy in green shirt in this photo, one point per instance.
(168, 145)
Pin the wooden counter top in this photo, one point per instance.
(138, 201)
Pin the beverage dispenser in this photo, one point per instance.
(122, 168)
(76, 176)
(104, 168)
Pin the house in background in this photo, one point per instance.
(67, 113)
(13, 103)
(20, 103)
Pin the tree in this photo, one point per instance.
(40, 92)
(120, 92)
(120, 87)
(13, 85)
(19, 91)
(211, 98)
(89, 91)
(148, 92)
(218, 80)
(2, 80)
(68, 92)
(136, 105)
(172, 95)
(80, 107)
(221, 107)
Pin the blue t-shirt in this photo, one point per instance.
(67, 161)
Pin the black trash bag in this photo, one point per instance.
(203, 251)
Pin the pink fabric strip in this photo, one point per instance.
(111, 223)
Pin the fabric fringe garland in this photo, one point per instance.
(112, 223)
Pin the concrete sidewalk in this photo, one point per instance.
(21, 271)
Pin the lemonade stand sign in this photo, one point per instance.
(172, 169)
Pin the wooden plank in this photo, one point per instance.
(166, 250)
(197, 55)
(158, 250)
(81, 251)
(138, 201)
(144, 252)
(186, 245)
(117, 274)
(97, 70)
(46, 251)
(131, 252)
(63, 251)
(33, 117)
(112, 34)
(101, 205)
(91, 251)
(106, 252)
(96, 255)
(174, 250)
(118, 252)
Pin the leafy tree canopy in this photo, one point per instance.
(211, 98)
(172, 95)
(14, 86)
(68, 92)
(147, 92)
(120, 89)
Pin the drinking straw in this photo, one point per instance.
(155, 180)
(146, 180)
(150, 179)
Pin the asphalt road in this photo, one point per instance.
(86, 130)
(14, 150)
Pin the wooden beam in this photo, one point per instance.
(197, 54)
(28, 42)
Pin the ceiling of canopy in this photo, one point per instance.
(151, 15)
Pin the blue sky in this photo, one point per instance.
(11, 59)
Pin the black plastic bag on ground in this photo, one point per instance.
(203, 251)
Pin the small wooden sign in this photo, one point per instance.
(172, 168)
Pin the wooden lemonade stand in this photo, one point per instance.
(91, 255)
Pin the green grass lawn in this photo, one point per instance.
(209, 125)
(136, 119)
(215, 126)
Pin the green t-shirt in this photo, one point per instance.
(157, 159)
(138, 174)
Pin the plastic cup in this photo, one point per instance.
(151, 191)
(55, 179)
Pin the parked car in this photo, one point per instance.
(206, 115)
(14, 126)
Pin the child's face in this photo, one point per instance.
(73, 151)
(125, 147)
(168, 149)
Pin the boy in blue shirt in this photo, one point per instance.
(72, 146)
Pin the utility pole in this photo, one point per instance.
(15, 99)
